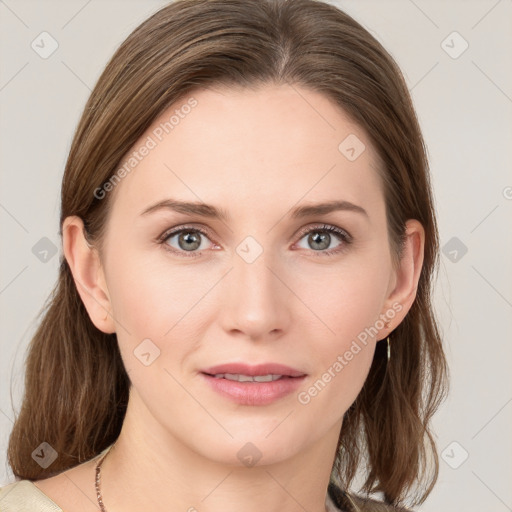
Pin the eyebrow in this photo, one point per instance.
(323, 208)
(210, 211)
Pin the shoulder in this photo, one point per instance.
(24, 495)
(348, 502)
(71, 490)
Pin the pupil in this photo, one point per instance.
(188, 238)
(320, 240)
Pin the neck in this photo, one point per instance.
(171, 474)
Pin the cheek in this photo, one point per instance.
(345, 301)
(348, 304)
(342, 362)
(164, 302)
(150, 294)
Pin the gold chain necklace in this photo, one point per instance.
(97, 481)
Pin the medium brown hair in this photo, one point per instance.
(76, 386)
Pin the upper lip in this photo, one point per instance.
(259, 369)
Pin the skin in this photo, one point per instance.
(256, 154)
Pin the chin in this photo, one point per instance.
(248, 448)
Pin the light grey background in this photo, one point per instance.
(464, 105)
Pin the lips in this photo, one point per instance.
(253, 370)
(236, 381)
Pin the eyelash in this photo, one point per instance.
(345, 237)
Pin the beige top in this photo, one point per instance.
(24, 496)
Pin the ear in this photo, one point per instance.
(404, 281)
(85, 264)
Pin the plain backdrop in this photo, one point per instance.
(456, 57)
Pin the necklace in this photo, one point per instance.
(97, 481)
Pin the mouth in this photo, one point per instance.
(238, 377)
(244, 372)
(253, 385)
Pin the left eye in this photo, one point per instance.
(319, 239)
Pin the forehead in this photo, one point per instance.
(280, 144)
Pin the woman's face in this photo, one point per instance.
(262, 282)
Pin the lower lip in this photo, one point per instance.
(254, 393)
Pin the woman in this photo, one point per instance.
(243, 314)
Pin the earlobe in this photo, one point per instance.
(84, 261)
(407, 276)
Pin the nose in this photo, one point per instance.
(256, 302)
